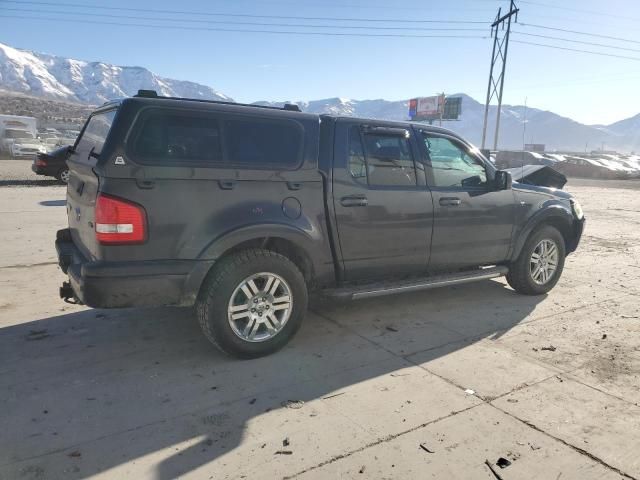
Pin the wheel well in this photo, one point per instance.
(560, 225)
(282, 246)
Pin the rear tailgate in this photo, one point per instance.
(82, 188)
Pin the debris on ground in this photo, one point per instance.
(252, 401)
(293, 404)
(391, 329)
(334, 395)
(286, 442)
(283, 452)
(424, 447)
(550, 348)
(493, 470)
(468, 391)
(604, 336)
(362, 469)
(503, 462)
(75, 453)
(37, 334)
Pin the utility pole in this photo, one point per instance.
(498, 55)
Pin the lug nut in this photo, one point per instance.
(253, 310)
(255, 300)
(267, 307)
(259, 314)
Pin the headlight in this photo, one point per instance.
(577, 209)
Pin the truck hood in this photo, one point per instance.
(539, 175)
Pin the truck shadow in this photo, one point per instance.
(86, 392)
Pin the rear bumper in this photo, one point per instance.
(42, 170)
(129, 284)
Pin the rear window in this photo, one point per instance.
(166, 137)
(94, 134)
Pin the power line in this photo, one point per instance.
(216, 14)
(579, 10)
(210, 29)
(580, 33)
(577, 50)
(232, 22)
(578, 41)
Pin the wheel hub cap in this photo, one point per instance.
(260, 307)
(544, 261)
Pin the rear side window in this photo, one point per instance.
(94, 134)
(177, 137)
(263, 143)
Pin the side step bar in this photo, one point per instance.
(379, 289)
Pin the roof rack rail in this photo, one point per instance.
(153, 94)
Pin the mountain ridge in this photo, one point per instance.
(65, 79)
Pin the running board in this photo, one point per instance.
(379, 289)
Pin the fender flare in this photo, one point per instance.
(310, 245)
(556, 212)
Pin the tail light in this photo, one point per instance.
(119, 221)
(41, 162)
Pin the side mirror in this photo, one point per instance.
(502, 180)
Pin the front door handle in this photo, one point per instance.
(449, 201)
(354, 201)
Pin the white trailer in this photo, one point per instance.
(16, 127)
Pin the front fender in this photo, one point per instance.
(550, 212)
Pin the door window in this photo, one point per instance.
(452, 166)
(383, 160)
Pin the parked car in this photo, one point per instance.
(26, 147)
(53, 164)
(243, 210)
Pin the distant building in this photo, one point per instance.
(534, 147)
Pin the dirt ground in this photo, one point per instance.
(423, 385)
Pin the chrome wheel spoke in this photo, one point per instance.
(274, 286)
(544, 261)
(259, 307)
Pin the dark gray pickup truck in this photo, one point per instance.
(243, 211)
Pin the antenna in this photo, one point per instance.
(524, 130)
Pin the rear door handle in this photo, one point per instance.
(449, 201)
(354, 201)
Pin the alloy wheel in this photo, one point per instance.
(260, 307)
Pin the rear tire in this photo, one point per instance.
(540, 264)
(63, 175)
(269, 279)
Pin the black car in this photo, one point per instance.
(53, 164)
(243, 211)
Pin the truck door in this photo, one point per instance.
(473, 222)
(384, 212)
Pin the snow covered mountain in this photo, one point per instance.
(555, 131)
(58, 78)
(67, 79)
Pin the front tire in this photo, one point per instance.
(252, 303)
(540, 264)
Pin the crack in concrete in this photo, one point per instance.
(571, 446)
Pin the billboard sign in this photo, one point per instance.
(435, 108)
(424, 108)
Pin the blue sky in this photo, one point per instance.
(261, 66)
